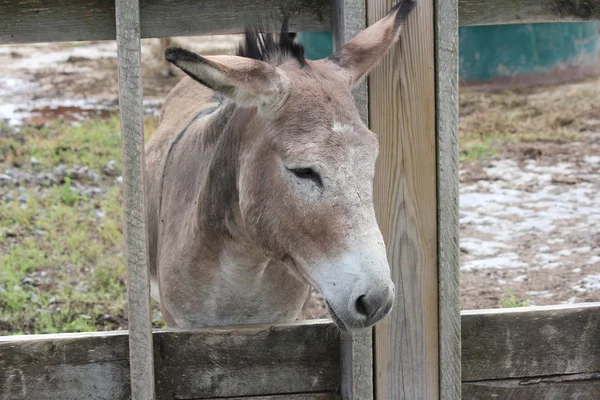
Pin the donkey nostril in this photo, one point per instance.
(362, 306)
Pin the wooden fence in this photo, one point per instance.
(411, 102)
(534, 353)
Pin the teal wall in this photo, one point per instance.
(488, 52)
(317, 45)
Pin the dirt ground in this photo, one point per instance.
(530, 201)
(530, 169)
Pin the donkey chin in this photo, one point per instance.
(357, 287)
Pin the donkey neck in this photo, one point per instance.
(218, 210)
(237, 282)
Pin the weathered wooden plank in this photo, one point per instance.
(212, 363)
(493, 12)
(70, 20)
(446, 103)
(348, 19)
(530, 342)
(561, 387)
(402, 114)
(357, 365)
(540, 348)
(29, 21)
(134, 205)
(294, 396)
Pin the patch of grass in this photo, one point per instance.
(478, 149)
(68, 195)
(477, 146)
(92, 144)
(62, 262)
(513, 301)
(556, 115)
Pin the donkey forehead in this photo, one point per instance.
(318, 96)
(319, 86)
(319, 117)
(334, 142)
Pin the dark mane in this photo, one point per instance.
(270, 47)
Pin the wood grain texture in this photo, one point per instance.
(446, 55)
(288, 361)
(134, 206)
(357, 365)
(348, 19)
(402, 114)
(493, 12)
(534, 342)
(538, 353)
(71, 20)
(30, 21)
(560, 387)
(293, 396)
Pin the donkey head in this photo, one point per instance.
(306, 165)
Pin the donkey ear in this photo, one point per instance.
(246, 81)
(363, 52)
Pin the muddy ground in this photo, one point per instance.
(530, 169)
(530, 196)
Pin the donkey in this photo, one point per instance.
(259, 185)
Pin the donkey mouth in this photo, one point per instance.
(336, 320)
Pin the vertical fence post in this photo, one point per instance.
(349, 18)
(402, 114)
(141, 360)
(446, 66)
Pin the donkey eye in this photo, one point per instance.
(303, 172)
(307, 173)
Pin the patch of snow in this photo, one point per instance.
(503, 261)
(593, 260)
(484, 248)
(588, 284)
(11, 86)
(537, 292)
(582, 250)
(592, 160)
(519, 203)
(547, 257)
(556, 241)
(552, 265)
(571, 300)
(41, 60)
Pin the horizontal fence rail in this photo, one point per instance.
(498, 12)
(203, 364)
(77, 20)
(535, 353)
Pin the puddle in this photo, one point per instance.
(39, 56)
(44, 115)
(72, 82)
(10, 86)
(79, 80)
(42, 111)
